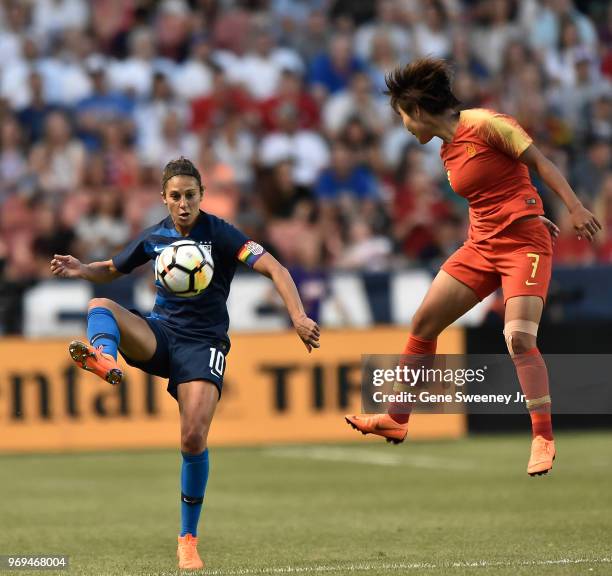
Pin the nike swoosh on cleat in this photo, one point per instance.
(527, 283)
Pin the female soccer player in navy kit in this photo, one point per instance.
(177, 338)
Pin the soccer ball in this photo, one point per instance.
(184, 268)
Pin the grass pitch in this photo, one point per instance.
(456, 508)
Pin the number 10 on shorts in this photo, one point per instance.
(216, 362)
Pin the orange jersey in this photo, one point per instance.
(482, 165)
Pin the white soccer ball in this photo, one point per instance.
(184, 268)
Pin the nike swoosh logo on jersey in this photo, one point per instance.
(527, 283)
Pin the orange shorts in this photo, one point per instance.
(519, 259)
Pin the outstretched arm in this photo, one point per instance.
(585, 223)
(307, 329)
(71, 267)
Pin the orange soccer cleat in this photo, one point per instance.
(96, 361)
(187, 553)
(379, 424)
(542, 456)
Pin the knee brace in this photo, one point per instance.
(525, 326)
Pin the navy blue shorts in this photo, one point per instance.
(183, 357)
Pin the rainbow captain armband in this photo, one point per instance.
(250, 253)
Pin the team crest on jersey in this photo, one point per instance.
(207, 245)
(470, 148)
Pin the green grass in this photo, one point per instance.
(430, 508)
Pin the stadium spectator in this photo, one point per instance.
(574, 100)
(103, 230)
(544, 33)
(16, 229)
(208, 111)
(51, 237)
(524, 97)
(432, 34)
(15, 73)
(467, 90)
(365, 250)
(64, 70)
(357, 100)
(290, 91)
(383, 58)
(310, 277)
(151, 114)
(291, 15)
(306, 225)
(519, 73)
(592, 168)
(464, 59)
(13, 162)
(172, 29)
(231, 30)
(363, 145)
(448, 235)
(316, 32)
(418, 209)
(134, 74)
(58, 159)
(51, 17)
(306, 148)
(101, 106)
(32, 117)
(194, 77)
(120, 160)
(235, 146)
(494, 30)
(13, 31)
(173, 142)
(259, 70)
(222, 193)
(343, 177)
(560, 63)
(397, 141)
(331, 71)
(112, 21)
(599, 115)
(142, 207)
(387, 24)
(605, 48)
(278, 193)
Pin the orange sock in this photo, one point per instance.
(533, 376)
(400, 411)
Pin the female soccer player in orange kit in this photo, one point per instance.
(486, 156)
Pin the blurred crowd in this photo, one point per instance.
(280, 105)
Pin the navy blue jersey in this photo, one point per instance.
(204, 315)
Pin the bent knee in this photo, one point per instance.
(424, 325)
(520, 342)
(101, 303)
(193, 440)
